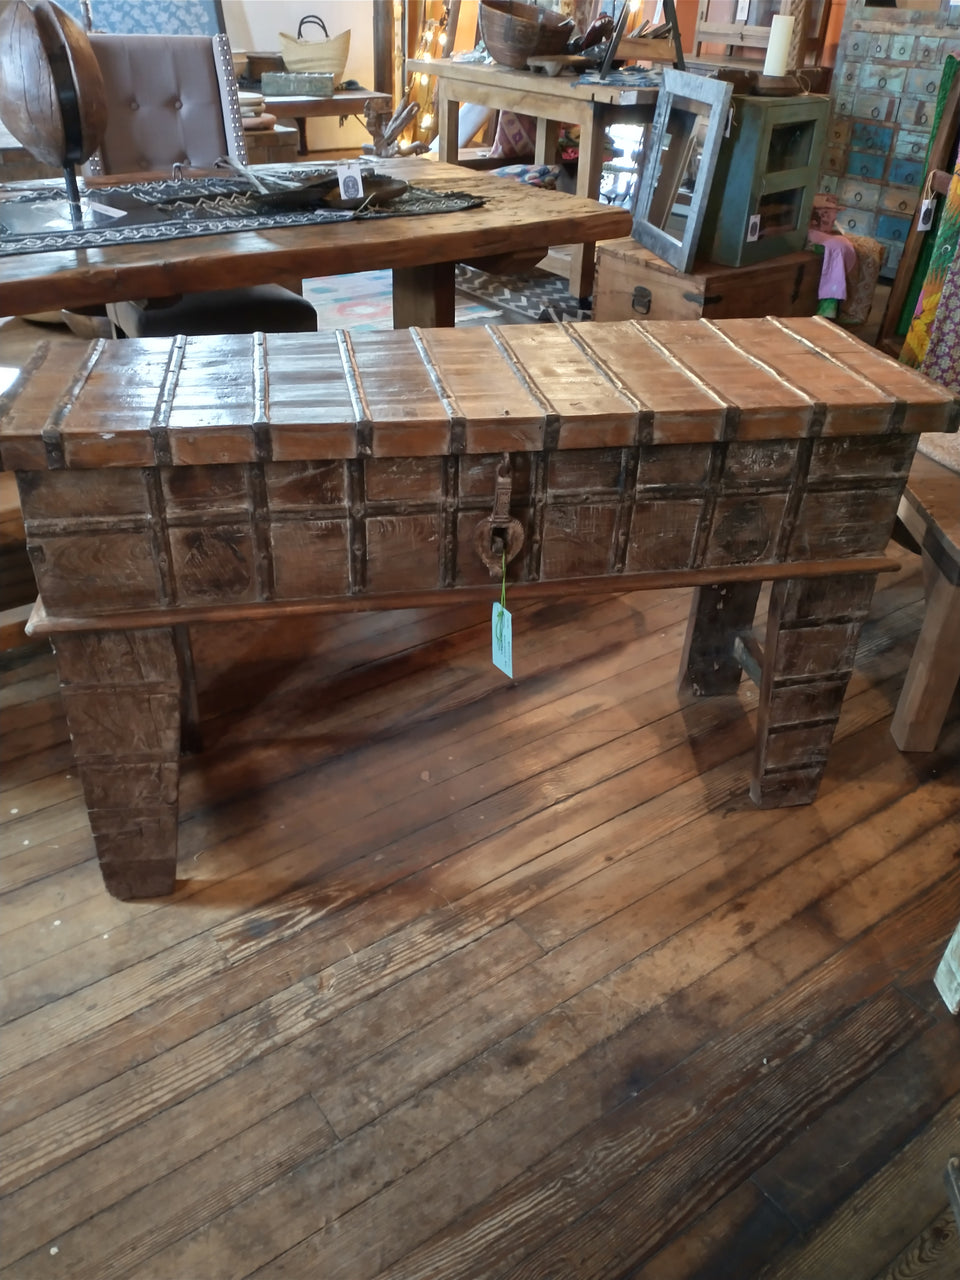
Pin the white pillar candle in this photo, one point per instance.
(781, 31)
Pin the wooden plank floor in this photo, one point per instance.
(470, 979)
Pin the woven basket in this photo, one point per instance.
(315, 55)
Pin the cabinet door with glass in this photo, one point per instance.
(765, 180)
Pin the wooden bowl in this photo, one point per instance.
(52, 97)
(514, 31)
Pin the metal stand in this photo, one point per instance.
(73, 194)
(670, 13)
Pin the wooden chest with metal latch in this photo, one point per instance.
(166, 484)
(634, 284)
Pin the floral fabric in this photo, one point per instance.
(944, 252)
(533, 175)
(942, 359)
(161, 17)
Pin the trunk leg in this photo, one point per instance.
(708, 666)
(813, 628)
(121, 694)
(191, 742)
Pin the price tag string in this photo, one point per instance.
(503, 601)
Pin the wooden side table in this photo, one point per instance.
(553, 100)
(348, 102)
(930, 512)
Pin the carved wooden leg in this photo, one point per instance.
(812, 632)
(121, 694)
(708, 666)
(934, 668)
(191, 741)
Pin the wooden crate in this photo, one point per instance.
(634, 284)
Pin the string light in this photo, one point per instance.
(431, 44)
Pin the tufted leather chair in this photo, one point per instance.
(173, 100)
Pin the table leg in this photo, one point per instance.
(708, 666)
(424, 296)
(934, 668)
(121, 695)
(545, 147)
(813, 627)
(589, 167)
(301, 123)
(448, 130)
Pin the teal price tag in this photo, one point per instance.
(501, 625)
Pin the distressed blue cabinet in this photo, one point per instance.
(765, 179)
(884, 94)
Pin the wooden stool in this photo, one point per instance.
(930, 512)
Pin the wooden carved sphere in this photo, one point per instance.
(52, 97)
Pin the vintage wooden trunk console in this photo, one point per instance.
(204, 480)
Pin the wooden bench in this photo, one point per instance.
(930, 513)
(204, 480)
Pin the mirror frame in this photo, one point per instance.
(714, 94)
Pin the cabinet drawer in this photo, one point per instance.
(835, 161)
(877, 46)
(877, 76)
(859, 45)
(838, 134)
(843, 103)
(829, 182)
(858, 195)
(927, 51)
(863, 164)
(865, 136)
(912, 144)
(876, 106)
(892, 227)
(905, 173)
(917, 114)
(898, 200)
(856, 222)
(901, 48)
(848, 77)
(891, 260)
(922, 82)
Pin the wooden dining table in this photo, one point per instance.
(422, 251)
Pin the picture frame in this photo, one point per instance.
(678, 164)
(619, 28)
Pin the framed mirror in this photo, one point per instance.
(678, 165)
